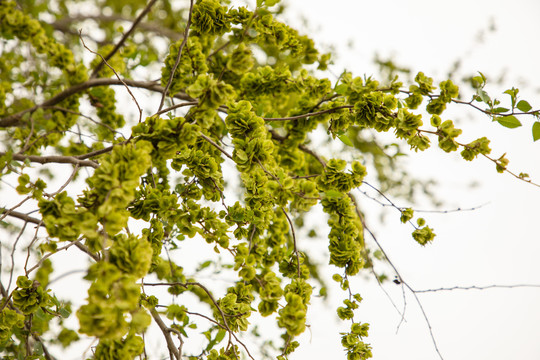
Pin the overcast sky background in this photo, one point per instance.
(496, 244)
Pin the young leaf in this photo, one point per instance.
(523, 106)
(536, 131)
(510, 121)
(345, 139)
(499, 110)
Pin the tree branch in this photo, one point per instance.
(167, 333)
(117, 47)
(54, 159)
(15, 119)
(474, 287)
(184, 41)
(303, 116)
(28, 218)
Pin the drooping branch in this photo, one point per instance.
(213, 300)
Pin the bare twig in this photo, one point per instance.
(48, 255)
(474, 287)
(425, 318)
(414, 294)
(73, 173)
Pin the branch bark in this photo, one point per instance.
(54, 159)
(15, 119)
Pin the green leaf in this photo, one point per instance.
(536, 131)
(498, 110)
(64, 313)
(510, 122)
(484, 96)
(341, 89)
(220, 335)
(513, 95)
(204, 265)
(523, 106)
(345, 139)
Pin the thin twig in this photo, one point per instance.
(166, 110)
(116, 74)
(214, 144)
(294, 244)
(474, 287)
(425, 318)
(495, 161)
(120, 43)
(303, 116)
(400, 209)
(414, 294)
(184, 41)
(222, 314)
(48, 255)
(73, 173)
(39, 222)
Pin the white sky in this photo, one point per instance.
(496, 244)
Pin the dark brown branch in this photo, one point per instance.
(47, 159)
(15, 119)
(117, 47)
